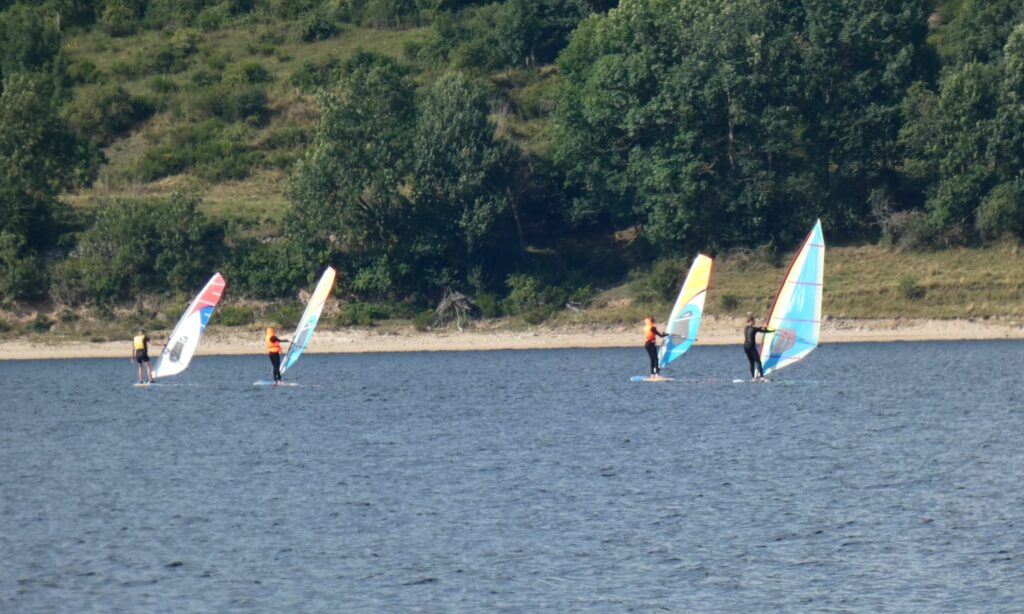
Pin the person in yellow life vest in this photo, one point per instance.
(140, 354)
(651, 333)
(274, 351)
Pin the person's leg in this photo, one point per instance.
(275, 359)
(752, 359)
(140, 370)
(652, 354)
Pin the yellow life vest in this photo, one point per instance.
(139, 342)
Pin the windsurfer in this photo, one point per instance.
(274, 351)
(140, 355)
(651, 332)
(750, 347)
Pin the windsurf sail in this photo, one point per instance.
(795, 317)
(684, 321)
(309, 319)
(184, 340)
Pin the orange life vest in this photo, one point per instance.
(649, 330)
(273, 346)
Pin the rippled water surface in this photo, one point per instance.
(885, 477)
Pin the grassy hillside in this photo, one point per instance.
(259, 197)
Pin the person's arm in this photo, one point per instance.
(131, 357)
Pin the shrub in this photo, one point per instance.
(212, 17)
(21, 275)
(488, 304)
(1002, 211)
(314, 74)
(186, 41)
(105, 115)
(83, 71)
(728, 302)
(247, 73)
(662, 283)
(5, 326)
(203, 148)
(118, 18)
(235, 315)
(285, 314)
(423, 320)
(909, 289)
(359, 314)
(266, 270)
(41, 324)
(315, 26)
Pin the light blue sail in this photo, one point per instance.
(684, 321)
(303, 332)
(796, 315)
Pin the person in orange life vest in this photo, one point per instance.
(651, 332)
(140, 354)
(274, 351)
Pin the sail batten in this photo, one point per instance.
(684, 321)
(184, 339)
(795, 317)
(310, 317)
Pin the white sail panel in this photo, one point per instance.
(184, 340)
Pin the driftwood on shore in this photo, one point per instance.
(455, 308)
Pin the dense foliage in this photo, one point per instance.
(501, 147)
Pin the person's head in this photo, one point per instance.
(750, 320)
(271, 331)
(142, 331)
(649, 319)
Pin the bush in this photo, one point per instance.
(909, 289)
(285, 314)
(41, 324)
(21, 275)
(489, 305)
(232, 104)
(315, 26)
(728, 302)
(266, 270)
(212, 17)
(247, 73)
(118, 18)
(83, 71)
(105, 115)
(360, 314)
(1002, 211)
(235, 315)
(203, 148)
(662, 283)
(423, 320)
(314, 74)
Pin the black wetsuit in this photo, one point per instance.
(275, 357)
(750, 347)
(652, 352)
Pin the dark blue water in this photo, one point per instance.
(875, 477)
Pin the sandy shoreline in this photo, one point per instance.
(714, 331)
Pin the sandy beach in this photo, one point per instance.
(714, 331)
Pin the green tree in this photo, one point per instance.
(348, 205)
(39, 159)
(137, 246)
(461, 184)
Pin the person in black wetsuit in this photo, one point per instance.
(651, 332)
(750, 347)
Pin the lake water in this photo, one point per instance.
(870, 477)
